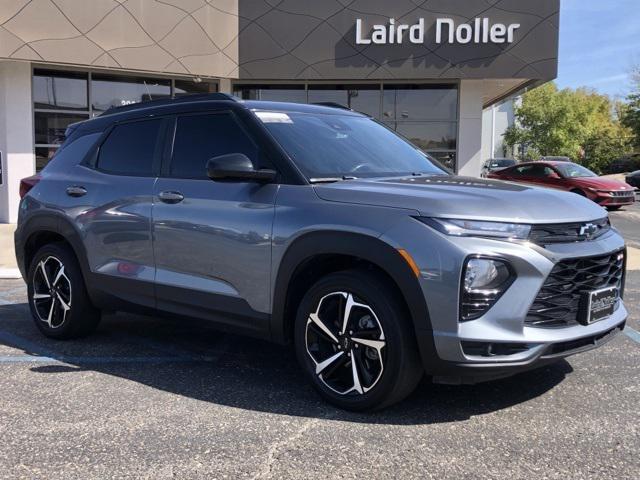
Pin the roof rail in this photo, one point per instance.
(169, 101)
(332, 105)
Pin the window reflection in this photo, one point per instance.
(429, 135)
(115, 91)
(190, 87)
(273, 93)
(50, 127)
(361, 98)
(43, 155)
(60, 90)
(420, 102)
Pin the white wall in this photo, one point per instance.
(470, 128)
(16, 134)
(495, 121)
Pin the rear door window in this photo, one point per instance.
(131, 149)
(199, 138)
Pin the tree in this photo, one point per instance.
(579, 124)
(630, 113)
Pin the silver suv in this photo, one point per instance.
(318, 227)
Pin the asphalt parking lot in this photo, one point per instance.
(154, 398)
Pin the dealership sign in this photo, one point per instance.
(479, 31)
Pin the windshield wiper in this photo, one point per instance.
(331, 179)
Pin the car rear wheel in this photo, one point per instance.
(58, 298)
(354, 340)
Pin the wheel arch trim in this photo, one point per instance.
(365, 247)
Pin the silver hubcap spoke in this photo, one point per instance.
(356, 378)
(44, 274)
(51, 299)
(346, 343)
(323, 365)
(316, 320)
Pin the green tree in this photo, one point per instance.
(630, 113)
(579, 124)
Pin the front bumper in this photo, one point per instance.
(608, 200)
(450, 349)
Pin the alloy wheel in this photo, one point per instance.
(346, 343)
(51, 292)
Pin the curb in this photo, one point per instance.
(9, 273)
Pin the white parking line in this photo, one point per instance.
(632, 334)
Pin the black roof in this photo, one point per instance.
(200, 102)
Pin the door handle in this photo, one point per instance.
(170, 197)
(76, 191)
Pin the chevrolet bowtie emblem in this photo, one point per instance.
(588, 229)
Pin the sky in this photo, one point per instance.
(599, 44)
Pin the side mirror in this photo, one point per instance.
(237, 166)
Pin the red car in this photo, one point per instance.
(571, 177)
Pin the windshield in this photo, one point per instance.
(573, 170)
(327, 146)
(504, 162)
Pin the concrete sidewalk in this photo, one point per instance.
(8, 266)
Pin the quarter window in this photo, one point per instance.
(130, 149)
(201, 137)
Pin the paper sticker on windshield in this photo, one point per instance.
(274, 117)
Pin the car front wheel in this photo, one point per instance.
(353, 338)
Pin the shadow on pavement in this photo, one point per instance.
(186, 359)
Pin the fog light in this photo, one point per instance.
(484, 281)
(485, 274)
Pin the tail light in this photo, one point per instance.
(27, 184)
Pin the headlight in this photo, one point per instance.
(484, 280)
(478, 228)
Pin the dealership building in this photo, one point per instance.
(427, 69)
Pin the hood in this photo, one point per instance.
(465, 197)
(600, 183)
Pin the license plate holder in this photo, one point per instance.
(599, 304)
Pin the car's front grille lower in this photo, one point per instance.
(568, 232)
(558, 301)
(623, 193)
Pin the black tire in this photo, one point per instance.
(400, 368)
(579, 192)
(81, 318)
(614, 208)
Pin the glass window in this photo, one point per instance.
(361, 98)
(201, 137)
(429, 135)
(335, 145)
(130, 148)
(43, 155)
(50, 127)
(448, 159)
(114, 91)
(189, 87)
(60, 90)
(573, 170)
(420, 102)
(70, 154)
(273, 93)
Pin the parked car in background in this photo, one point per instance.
(554, 159)
(571, 177)
(633, 179)
(628, 163)
(495, 164)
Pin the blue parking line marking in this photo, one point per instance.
(632, 334)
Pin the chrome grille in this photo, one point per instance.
(558, 301)
(623, 193)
